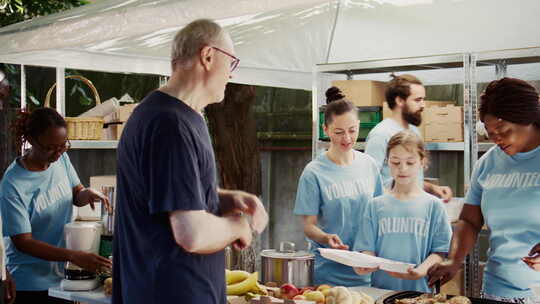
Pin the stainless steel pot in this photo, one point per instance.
(287, 265)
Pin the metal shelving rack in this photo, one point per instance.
(476, 68)
(458, 63)
(323, 72)
(61, 108)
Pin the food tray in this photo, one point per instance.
(390, 298)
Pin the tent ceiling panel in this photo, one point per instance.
(381, 29)
(279, 41)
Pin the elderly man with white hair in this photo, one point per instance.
(172, 221)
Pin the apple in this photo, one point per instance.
(316, 296)
(288, 291)
(299, 297)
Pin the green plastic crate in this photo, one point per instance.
(365, 127)
(370, 114)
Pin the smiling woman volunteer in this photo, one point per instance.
(334, 189)
(37, 194)
(504, 194)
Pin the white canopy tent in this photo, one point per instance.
(278, 41)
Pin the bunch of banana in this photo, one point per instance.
(242, 282)
(107, 286)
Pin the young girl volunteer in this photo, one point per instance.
(405, 224)
(333, 190)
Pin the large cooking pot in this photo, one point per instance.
(287, 265)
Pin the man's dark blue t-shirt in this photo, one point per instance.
(165, 163)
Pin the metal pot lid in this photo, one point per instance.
(287, 251)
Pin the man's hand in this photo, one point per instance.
(533, 260)
(9, 289)
(335, 242)
(88, 196)
(236, 201)
(443, 192)
(412, 274)
(246, 235)
(443, 272)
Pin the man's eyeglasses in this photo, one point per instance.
(53, 148)
(234, 63)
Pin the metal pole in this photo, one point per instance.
(500, 69)
(23, 99)
(23, 87)
(315, 114)
(476, 283)
(471, 269)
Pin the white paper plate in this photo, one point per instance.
(535, 289)
(358, 259)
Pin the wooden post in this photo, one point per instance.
(233, 129)
(8, 151)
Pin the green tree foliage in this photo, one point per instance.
(13, 11)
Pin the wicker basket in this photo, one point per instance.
(82, 128)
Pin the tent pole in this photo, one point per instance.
(60, 90)
(333, 31)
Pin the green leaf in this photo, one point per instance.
(83, 93)
(34, 100)
(85, 101)
(73, 90)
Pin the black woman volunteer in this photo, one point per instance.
(504, 194)
(37, 194)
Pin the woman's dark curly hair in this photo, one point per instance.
(511, 99)
(31, 125)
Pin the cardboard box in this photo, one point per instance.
(119, 130)
(430, 114)
(448, 114)
(112, 132)
(125, 111)
(443, 124)
(429, 103)
(363, 93)
(96, 182)
(122, 114)
(443, 132)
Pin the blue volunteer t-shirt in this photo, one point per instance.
(337, 195)
(405, 231)
(165, 163)
(377, 142)
(507, 189)
(40, 203)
